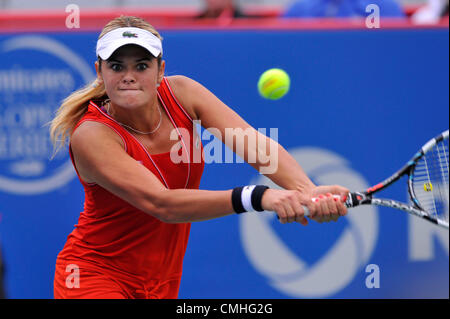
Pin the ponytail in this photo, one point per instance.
(71, 111)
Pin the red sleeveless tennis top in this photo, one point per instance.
(119, 239)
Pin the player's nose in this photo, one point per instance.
(128, 77)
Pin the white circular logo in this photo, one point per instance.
(37, 75)
(280, 252)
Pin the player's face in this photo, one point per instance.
(131, 76)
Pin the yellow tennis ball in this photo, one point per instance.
(273, 84)
(428, 187)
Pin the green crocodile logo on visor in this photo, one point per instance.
(129, 34)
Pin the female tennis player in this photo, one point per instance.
(131, 238)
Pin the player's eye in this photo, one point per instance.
(116, 67)
(142, 66)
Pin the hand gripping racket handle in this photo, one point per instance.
(347, 203)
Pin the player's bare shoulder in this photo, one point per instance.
(92, 139)
(179, 82)
(184, 89)
(91, 143)
(93, 132)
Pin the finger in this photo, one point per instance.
(324, 208)
(282, 216)
(303, 221)
(300, 215)
(335, 216)
(332, 207)
(300, 210)
(318, 216)
(342, 209)
(303, 203)
(314, 209)
(290, 213)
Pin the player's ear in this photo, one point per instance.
(161, 71)
(98, 70)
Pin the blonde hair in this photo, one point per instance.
(75, 105)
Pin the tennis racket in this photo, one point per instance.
(428, 189)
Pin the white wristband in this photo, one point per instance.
(246, 197)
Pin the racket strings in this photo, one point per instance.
(430, 181)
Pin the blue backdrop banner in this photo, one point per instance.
(361, 104)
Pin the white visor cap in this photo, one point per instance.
(114, 39)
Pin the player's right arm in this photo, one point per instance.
(100, 158)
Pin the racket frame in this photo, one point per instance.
(365, 198)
